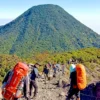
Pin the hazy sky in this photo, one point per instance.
(86, 11)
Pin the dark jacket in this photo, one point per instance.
(73, 78)
(34, 73)
(45, 70)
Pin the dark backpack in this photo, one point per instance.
(88, 93)
(46, 71)
(33, 74)
(98, 90)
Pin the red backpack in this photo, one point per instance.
(18, 73)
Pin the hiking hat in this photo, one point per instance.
(72, 68)
(38, 64)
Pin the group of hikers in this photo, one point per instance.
(29, 82)
(51, 70)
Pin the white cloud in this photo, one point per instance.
(90, 20)
(5, 21)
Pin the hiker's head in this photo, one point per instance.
(49, 64)
(30, 66)
(72, 68)
(37, 65)
(45, 66)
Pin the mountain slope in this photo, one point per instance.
(45, 27)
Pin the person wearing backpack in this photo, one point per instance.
(78, 80)
(63, 68)
(46, 71)
(14, 81)
(27, 84)
(73, 84)
(54, 70)
(34, 74)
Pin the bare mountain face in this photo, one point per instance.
(45, 28)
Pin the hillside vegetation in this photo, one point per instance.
(45, 28)
(90, 57)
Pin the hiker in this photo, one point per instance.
(73, 84)
(54, 70)
(49, 65)
(24, 86)
(14, 76)
(51, 71)
(70, 60)
(27, 84)
(58, 67)
(63, 68)
(46, 71)
(34, 74)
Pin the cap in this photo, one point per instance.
(38, 64)
(30, 65)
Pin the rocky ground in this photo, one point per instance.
(51, 90)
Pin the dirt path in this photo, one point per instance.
(49, 91)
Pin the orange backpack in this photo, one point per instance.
(18, 73)
(81, 76)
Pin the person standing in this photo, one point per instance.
(63, 69)
(54, 70)
(73, 84)
(26, 88)
(46, 71)
(34, 74)
(58, 67)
